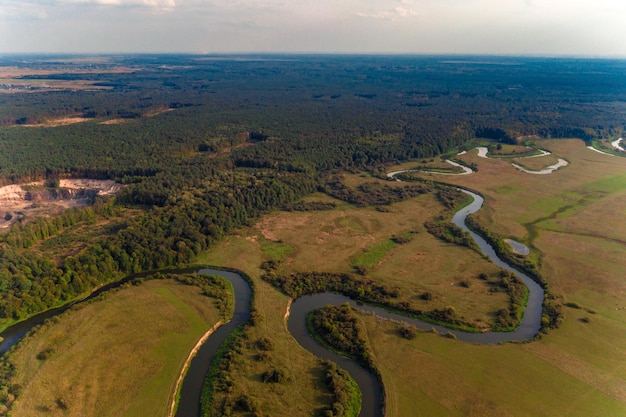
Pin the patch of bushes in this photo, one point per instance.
(274, 376)
(264, 344)
(451, 233)
(311, 206)
(45, 354)
(212, 286)
(346, 394)
(373, 193)
(407, 331)
(340, 328)
(426, 296)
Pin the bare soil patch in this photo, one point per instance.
(63, 121)
(114, 122)
(26, 201)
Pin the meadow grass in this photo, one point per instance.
(118, 356)
(375, 253)
(577, 218)
(336, 241)
(536, 164)
(435, 376)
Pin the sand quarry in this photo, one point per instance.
(25, 201)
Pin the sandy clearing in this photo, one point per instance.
(105, 187)
(113, 122)
(64, 121)
(15, 202)
(616, 144)
(599, 151)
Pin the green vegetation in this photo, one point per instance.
(139, 353)
(339, 328)
(346, 393)
(374, 253)
(275, 250)
(210, 148)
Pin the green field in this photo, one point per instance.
(117, 357)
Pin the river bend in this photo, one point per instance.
(189, 404)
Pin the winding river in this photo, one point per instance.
(372, 405)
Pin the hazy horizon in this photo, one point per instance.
(574, 28)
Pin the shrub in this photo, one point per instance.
(45, 354)
(408, 331)
(264, 344)
(427, 296)
(274, 376)
(246, 403)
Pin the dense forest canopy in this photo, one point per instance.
(316, 111)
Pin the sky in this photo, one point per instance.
(510, 27)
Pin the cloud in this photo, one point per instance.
(14, 10)
(395, 13)
(164, 5)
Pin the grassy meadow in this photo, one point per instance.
(120, 356)
(574, 219)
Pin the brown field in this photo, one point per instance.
(11, 76)
(536, 164)
(62, 121)
(329, 241)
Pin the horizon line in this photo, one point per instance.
(324, 53)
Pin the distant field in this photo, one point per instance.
(536, 163)
(116, 357)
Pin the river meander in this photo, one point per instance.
(372, 406)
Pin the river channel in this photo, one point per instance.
(372, 405)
